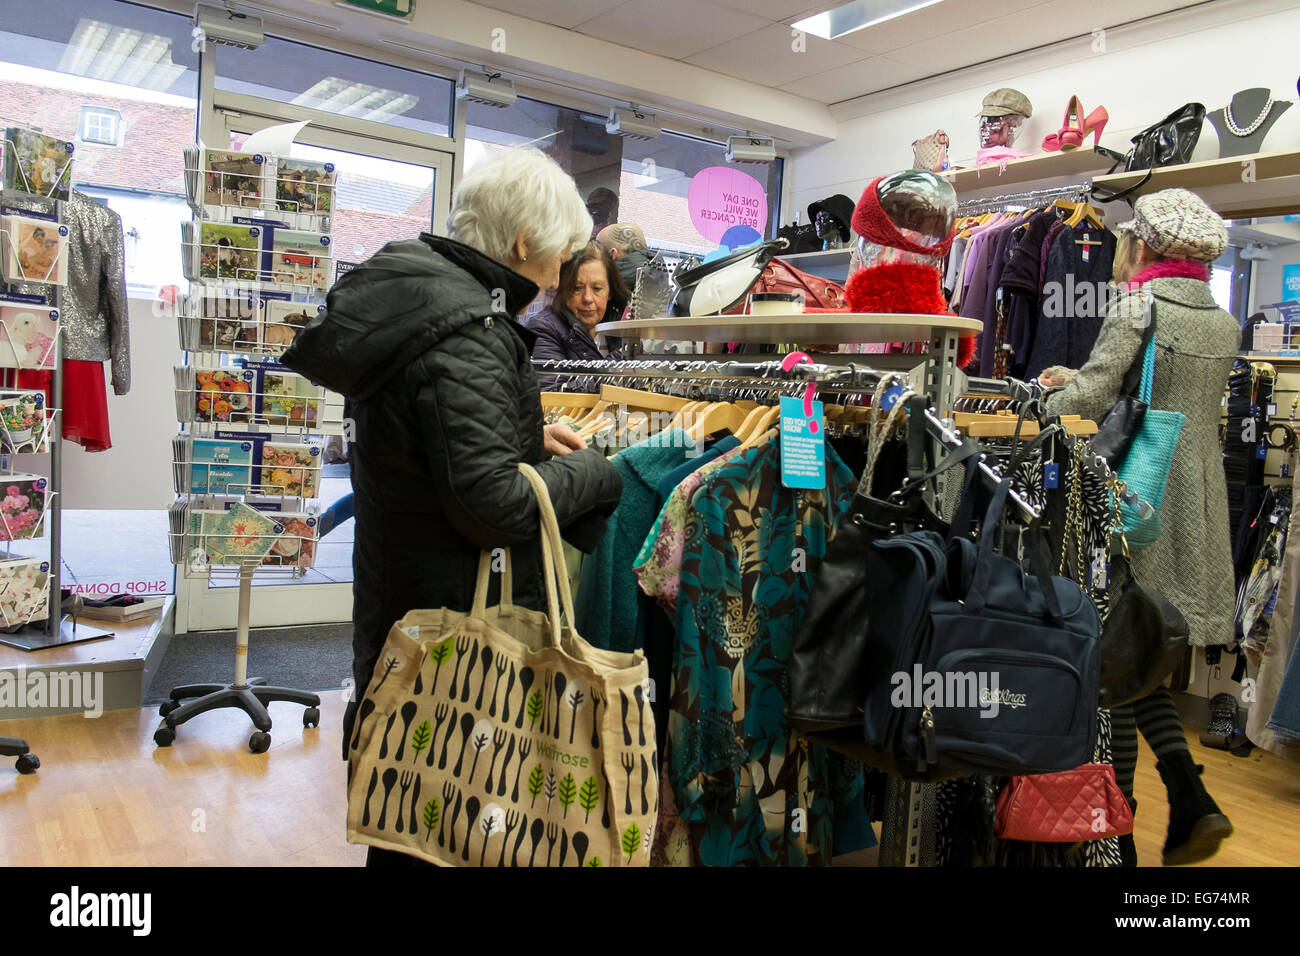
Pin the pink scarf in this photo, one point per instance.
(1171, 269)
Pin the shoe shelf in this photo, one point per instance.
(1237, 187)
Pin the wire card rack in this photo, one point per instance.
(221, 319)
(224, 185)
(255, 398)
(222, 535)
(258, 251)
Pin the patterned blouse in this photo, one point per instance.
(750, 791)
(658, 566)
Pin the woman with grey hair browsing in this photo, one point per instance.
(422, 341)
(1173, 238)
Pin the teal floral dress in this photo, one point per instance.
(749, 791)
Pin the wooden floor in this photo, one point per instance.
(106, 796)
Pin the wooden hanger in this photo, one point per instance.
(715, 418)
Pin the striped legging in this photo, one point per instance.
(1157, 717)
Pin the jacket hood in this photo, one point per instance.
(396, 305)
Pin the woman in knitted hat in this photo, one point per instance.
(1177, 237)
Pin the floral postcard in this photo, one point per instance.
(223, 395)
(238, 535)
(35, 163)
(22, 422)
(289, 399)
(296, 547)
(291, 470)
(24, 591)
(22, 508)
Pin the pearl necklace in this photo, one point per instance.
(1259, 120)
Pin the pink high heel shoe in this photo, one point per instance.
(1070, 134)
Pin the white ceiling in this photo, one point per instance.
(751, 39)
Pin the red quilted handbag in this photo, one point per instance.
(1068, 807)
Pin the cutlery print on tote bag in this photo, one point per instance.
(499, 737)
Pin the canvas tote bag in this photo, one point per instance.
(499, 737)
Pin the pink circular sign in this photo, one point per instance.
(721, 197)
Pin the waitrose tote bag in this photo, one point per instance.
(501, 738)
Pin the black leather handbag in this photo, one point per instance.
(1169, 142)
(973, 666)
(1143, 640)
(714, 287)
(826, 681)
(1117, 430)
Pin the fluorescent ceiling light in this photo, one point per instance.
(858, 15)
(335, 95)
(101, 51)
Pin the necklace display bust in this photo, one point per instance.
(1246, 120)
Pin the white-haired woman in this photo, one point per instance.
(422, 341)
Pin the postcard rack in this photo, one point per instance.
(259, 262)
(44, 625)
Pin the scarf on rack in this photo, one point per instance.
(1171, 269)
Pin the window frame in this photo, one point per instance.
(89, 113)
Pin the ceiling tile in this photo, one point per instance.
(769, 57)
(933, 21)
(672, 28)
(560, 13)
(856, 79)
(780, 9)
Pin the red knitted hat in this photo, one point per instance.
(871, 222)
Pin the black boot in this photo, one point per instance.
(1196, 824)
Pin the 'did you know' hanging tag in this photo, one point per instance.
(803, 444)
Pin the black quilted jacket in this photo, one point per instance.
(422, 343)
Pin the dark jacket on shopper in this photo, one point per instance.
(628, 264)
(445, 404)
(560, 335)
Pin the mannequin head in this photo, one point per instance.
(922, 207)
(1000, 130)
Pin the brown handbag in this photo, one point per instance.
(779, 276)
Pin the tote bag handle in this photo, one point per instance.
(557, 581)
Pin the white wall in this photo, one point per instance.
(1204, 55)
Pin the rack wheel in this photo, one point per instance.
(167, 706)
(164, 736)
(28, 763)
(311, 717)
(260, 742)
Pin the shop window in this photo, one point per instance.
(348, 86)
(642, 182)
(108, 73)
(99, 126)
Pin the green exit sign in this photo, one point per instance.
(404, 9)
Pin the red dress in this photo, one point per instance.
(85, 401)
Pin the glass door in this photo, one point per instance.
(385, 191)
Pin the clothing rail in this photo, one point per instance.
(1029, 197)
(851, 377)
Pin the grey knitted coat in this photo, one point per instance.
(1196, 343)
